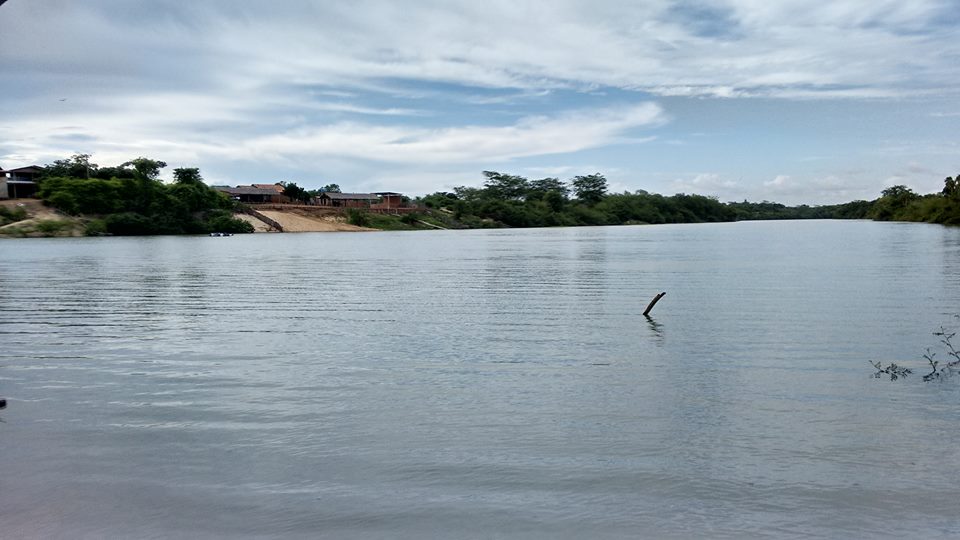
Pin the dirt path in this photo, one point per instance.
(40, 221)
(35, 209)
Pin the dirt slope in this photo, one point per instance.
(291, 221)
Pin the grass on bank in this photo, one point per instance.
(388, 222)
(44, 228)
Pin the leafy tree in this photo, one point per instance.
(330, 188)
(505, 186)
(555, 200)
(76, 166)
(468, 194)
(951, 187)
(440, 199)
(538, 189)
(187, 175)
(146, 169)
(899, 192)
(591, 188)
(295, 192)
(892, 202)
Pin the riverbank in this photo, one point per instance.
(25, 218)
(30, 218)
(298, 220)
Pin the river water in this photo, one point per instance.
(481, 384)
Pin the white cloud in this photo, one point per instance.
(780, 181)
(828, 189)
(531, 136)
(143, 128)
(707, 184)
(433, 83)
(852, 48)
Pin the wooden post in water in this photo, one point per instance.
(646, 312)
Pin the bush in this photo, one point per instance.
(224, 222)
(51, 227)
(63, 201)
(358, 217)
(10, 215)
(96, 227)
(411, 218)
(129, 223)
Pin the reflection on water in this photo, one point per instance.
(491, 383)
(656, 329)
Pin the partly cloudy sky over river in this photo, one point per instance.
(791, 101)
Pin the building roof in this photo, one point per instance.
(349, 196)
(247, 190)
(386, 193)
(30, 169)
(275, 187)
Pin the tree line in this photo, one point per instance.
(515, 201)
(130, 198)
(900, 203)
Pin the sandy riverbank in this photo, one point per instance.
(40, 218)
(41, 221)
(294, 221)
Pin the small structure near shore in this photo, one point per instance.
(253, 194)
(389, 200)
(19, 183)
(346, 200)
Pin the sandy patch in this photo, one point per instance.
(258, 226)
(35, 209)
(40, 221)
(299, 223)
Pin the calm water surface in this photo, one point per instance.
(453, 384)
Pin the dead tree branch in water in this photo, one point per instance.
(646, 312)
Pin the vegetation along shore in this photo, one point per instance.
(73, 197)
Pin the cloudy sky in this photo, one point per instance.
(792, 101)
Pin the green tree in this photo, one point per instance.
(76, 166)
(295, 192)
(951, 187)
(187, 175)
(892, 203)
(555, 201)
(505, 187)
(146, 168)
(538, 189)
(330, 188)
(468, 194)
(591, 188)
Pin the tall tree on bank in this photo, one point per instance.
(76, 166)
(505, 187)
(591, 188)
(295, 192)
(146, 168)
(187, 175)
